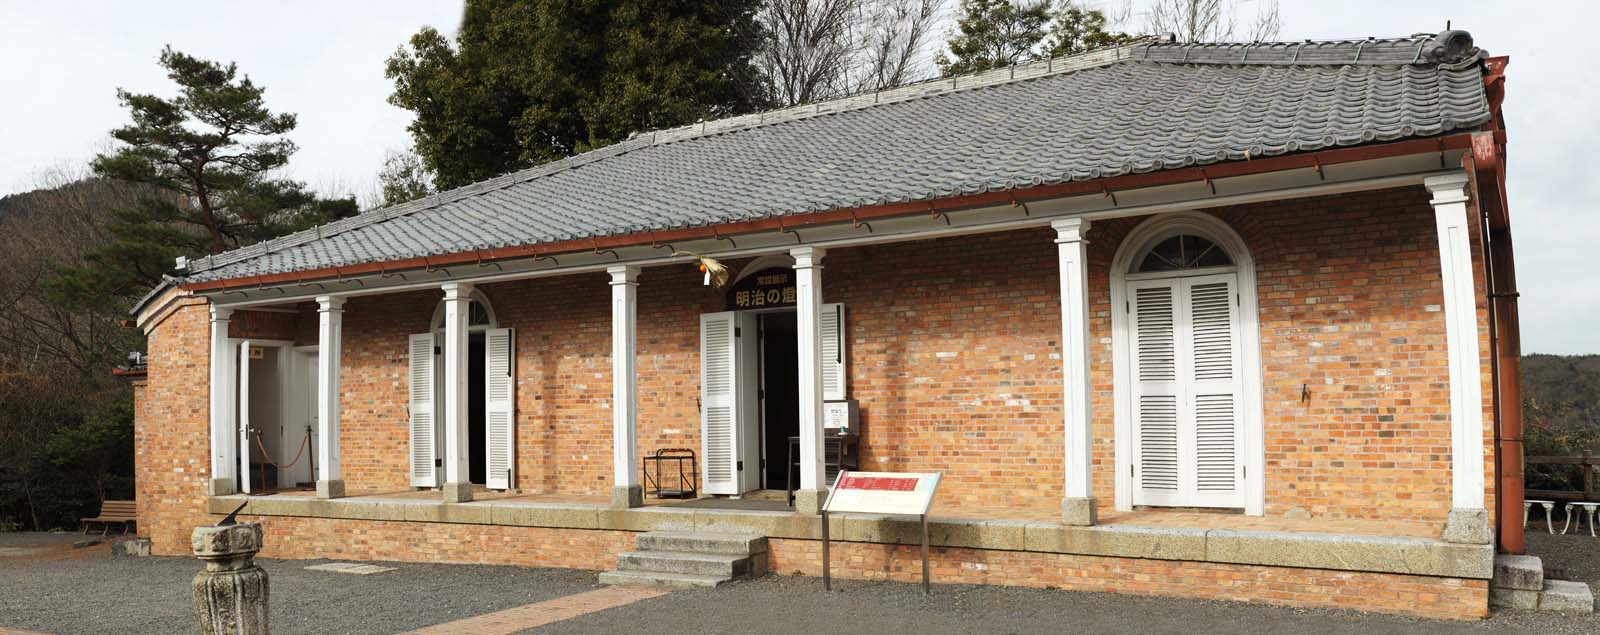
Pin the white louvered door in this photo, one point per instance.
(719, 403)
(831, 328)
(1153, 323)
(424, 451)
(500, 413)
(1211, 357)
(1188, 420)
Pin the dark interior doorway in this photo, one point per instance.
(477, 411)
(780, 394)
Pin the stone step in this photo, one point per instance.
(1523, 573)
(732, 544)
(1562, 596)
(680, 580)
(717, 564)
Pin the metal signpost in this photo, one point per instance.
(892, 493)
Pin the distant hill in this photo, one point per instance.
(1561, 413)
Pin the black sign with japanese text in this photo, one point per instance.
(764, 289)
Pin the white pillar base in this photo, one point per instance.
(457, 492)
(1079, 512)
(627, 497)
(223, 486)
(809, 501)
(1468, 526)
(330, 489)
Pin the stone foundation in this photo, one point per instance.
(598, 549)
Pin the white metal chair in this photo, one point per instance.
(1549, 506)
(1588, 509)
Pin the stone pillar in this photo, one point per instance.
(808, 321)
(230, 594)
(1468, 521)
(625, 489)
(330, 333)
(457, 303)
(224, 458)
(1078, 506)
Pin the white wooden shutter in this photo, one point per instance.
(243, 401)
(1213, 385)
(500, 417)
(424, 452)
(719, 403)
(832, 330)
(1153, 319)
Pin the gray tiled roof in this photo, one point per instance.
(1140, 108)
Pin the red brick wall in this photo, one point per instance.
(289, 537)
(172, 446)
(1419, 596)
(1350, 306)
(954, 355)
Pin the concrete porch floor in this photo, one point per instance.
(772, 501)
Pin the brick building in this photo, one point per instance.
(1226, 321)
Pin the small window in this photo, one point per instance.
(1182, 252)
(479, 313)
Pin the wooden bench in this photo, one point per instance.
(112, 512)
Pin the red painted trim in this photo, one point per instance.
(1107, 186)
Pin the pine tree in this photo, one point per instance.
(998, 33)
(205, 159)
(995, 33)
(525, 83)
(1078, 30)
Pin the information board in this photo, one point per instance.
(896, 493)
(907, 493)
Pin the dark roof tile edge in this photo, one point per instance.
(1169, 53)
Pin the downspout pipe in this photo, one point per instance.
(1488, 175)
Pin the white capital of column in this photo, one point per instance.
(624, 376)
(330, 337)
(1461, 332)
(457, 305)
(224, 464)
(1072, 257)
(808, 321)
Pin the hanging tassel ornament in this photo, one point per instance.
(716, 273)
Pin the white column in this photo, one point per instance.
(808, 321)
(1468, 520)
(1078, 506)
(625, 490)
(224, 458)
(330, 334)
(457, 302)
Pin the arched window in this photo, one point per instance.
(480, 315)
(1184, 251)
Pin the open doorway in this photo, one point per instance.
(268, 432)
(477, 412)
(779, 394)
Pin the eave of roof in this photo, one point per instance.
(1107, 187)
(1400, 51)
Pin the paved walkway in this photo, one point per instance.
(541, 613)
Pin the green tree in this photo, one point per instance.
(1076, 29)
(206, 158)
(403, 178)
(995, 33)
(525, 83)
(999, 33)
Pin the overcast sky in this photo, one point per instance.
(61, 62)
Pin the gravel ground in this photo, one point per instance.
(798, 605)
(62, 590)
(47, 585)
